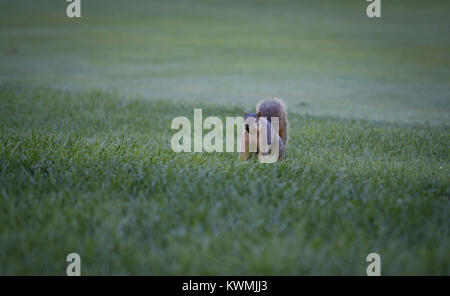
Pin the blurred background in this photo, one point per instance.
(321, 57)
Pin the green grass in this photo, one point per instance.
(322, 57)
(85, 158)
(93, 173)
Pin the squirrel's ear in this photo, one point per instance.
(259, 114)
(245, 113)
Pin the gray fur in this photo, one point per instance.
(275, 108)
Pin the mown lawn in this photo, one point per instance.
(86, 166)
(93, 173)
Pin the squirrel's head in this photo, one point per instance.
(251, 121)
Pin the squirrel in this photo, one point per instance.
(261, 122)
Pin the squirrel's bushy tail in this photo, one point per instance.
(275, 108)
